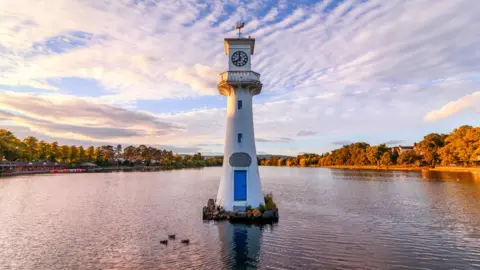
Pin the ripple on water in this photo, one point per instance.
(328, 220)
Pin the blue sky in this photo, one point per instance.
(145, 72)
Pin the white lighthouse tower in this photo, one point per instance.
(240, 183)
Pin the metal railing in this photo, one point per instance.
(239, 76)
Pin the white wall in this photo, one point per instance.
(240, 121)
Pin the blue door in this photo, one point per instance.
(240, 185)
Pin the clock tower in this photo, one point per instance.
(240, 183)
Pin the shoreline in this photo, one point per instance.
(475, 170)
(403, 168)
(101, 170)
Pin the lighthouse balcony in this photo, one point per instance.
(245, 79)
(239, 76)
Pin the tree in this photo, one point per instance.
(107, 152)
(64, 151)
(178, 161)
(81, 154)
(72, 154)
(374, 153)
(303, 162)
(118, 153)
(461, 146)
(43, 150)
(407, 158)
(197, 156)
(118, 150)
(54, 152)
(9, 146)
(98, 155)
(130, 153)
(386, 159)
(394, 157)
(29, 148)
(90, 154)
(429, 147)
(158, 156)
(357, 154)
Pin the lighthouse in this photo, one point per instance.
(240, 182)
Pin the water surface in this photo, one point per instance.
(328, 219)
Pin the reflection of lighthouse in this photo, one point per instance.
(240, 183)
(240, 244)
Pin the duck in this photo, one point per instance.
(186, 241)
(171, 236)
(165, 242)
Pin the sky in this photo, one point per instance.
(145, 72)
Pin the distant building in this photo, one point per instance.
(402, 148)
(7, 168)
(88, 165)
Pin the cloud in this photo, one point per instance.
(280, 140)
(394, 142)
(151, 50)
(81, 119)
(306, 133)
(180, 150)
(365, 67)
(201, 78)
(342, 142)
(453, 107)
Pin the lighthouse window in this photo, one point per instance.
(239, 137)
(239, 104)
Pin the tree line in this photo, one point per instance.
(461, 147)
(32, 149)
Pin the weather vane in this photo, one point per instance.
(240, 24)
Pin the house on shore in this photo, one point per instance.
(10, 168)
(402, 148)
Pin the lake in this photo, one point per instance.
(329, 218)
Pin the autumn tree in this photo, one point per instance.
(43, 150)
(386, 159)
(63, 153)
(29, 148)
(130, 153)
(461, 146)
(108, 152)
(90, 154)
(375, 153)
(430, 146)
(407, 158)
(54, 152)
(9, 146)
(72, 154)
(98, 155)
(81, 154)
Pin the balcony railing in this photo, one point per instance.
(239, 76)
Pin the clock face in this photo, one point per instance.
(239, 58)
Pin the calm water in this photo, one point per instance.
(328, 219)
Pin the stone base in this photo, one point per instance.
(213, 212)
